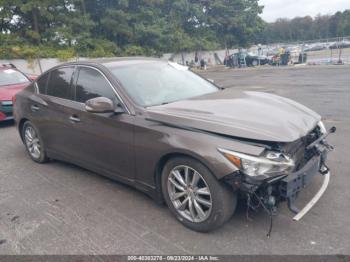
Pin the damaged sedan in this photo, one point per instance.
(176, 136)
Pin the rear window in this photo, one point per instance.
(60, 83)
(12, 77)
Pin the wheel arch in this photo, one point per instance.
(20, 126)
(165, 158)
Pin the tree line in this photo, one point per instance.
(307, 28)
(124, 27)
(96, 28)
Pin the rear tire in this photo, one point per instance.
(216, 201)
(34, 143)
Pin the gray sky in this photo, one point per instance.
(292, 8)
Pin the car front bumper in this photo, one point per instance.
(290, 186)
(6, 110)
(315, 199)
(270, 192)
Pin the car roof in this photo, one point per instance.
(7, 66)
(117, 61)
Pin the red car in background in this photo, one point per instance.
(11, 82)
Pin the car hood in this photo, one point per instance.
(250, 115)
(8, 91)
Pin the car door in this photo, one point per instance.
(51, 109)
(37, 106)
(101, 141)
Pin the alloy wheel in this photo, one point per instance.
(189, 193)
(32, 142)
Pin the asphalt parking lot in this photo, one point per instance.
(58, 208)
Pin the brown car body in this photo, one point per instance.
(133, 144)
(130, 147)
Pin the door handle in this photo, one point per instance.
(34, 108)
(74, 119)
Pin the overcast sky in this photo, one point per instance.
(291, 8)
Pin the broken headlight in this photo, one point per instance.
(270, 163)
(322, 127)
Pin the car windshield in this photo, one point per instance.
(157, 83)
(12, 77)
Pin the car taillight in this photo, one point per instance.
(13, 100)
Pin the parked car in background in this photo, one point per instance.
(11, 82)
(255, 60)
(244, 58)
(342, 44)
(176, 136)
(315, 47)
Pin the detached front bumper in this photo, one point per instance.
(290, 186)
(268, 193)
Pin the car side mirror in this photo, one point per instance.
(100, 105)
(119, 109)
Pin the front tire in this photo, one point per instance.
(33, 142)
(196, 198)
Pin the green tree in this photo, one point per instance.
(307, 28)
(117, 27)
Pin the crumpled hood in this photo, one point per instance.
(8, 91)
(251, 115)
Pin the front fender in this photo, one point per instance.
(156, 141)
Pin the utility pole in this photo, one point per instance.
(340, 51)
(259, 52)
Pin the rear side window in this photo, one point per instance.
(91, 84)
(60, 83)
(42, 82)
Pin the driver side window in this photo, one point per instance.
(92, 84)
